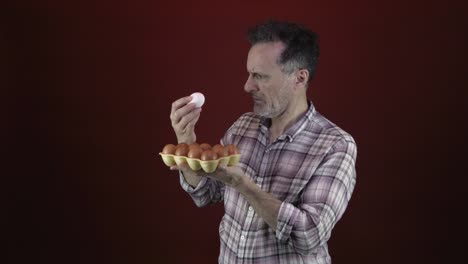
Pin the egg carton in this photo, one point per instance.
(207, 166)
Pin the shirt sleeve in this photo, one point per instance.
(208, 191)
(325, 198)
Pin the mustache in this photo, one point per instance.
(256, 96)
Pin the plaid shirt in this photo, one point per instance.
(310, 168)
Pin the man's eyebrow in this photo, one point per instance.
(256, 72)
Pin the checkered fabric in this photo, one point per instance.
(310, 168)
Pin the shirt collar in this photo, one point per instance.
(296, 128)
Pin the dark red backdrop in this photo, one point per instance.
(86, 109)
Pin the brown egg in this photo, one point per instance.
(195, 153)
(232, 150)
(208, 155)
(205, 146)
(182, 150)
(182, 145)
(194, 145)
(220, 151)
(169, 149)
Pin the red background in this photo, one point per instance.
(85, 111)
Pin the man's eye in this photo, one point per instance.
(258, 76)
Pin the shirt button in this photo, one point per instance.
(250, 208)
(242, 237)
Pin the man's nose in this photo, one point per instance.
(250, 85)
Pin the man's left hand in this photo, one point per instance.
(230, 175)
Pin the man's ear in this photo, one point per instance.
(302, 76)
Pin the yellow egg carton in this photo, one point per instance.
(208, 166)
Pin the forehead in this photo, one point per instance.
(264, 56)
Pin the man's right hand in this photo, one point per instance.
(184, 117)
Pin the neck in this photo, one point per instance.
(293, 112)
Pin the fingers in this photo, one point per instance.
(180, 107)
(180, 103)
(190, 128)
(183, 166)
(183, 115)
(190, 118)
(177, 105)
(185, 169)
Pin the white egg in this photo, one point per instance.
(198, 99)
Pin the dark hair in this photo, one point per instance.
(302, 47)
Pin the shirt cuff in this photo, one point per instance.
(188, 188)
(286, 218)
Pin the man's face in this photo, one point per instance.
(268, 85)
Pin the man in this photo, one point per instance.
(297, 169)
